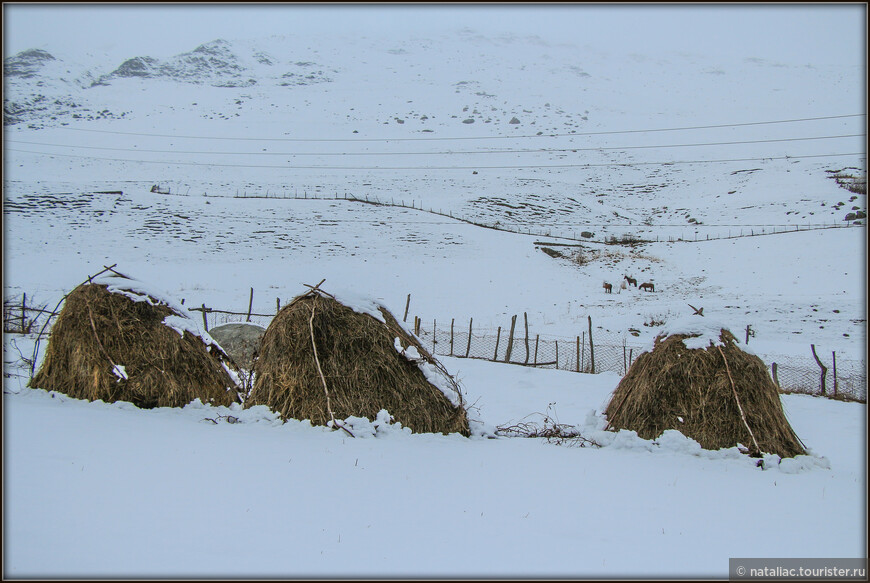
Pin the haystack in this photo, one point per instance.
(698, 381)
(116, 340)
(325, 359)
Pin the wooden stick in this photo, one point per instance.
(320, 371)
(250, 304)
(591, 347)
(557, 354)
(737, 399)
(526, 320)
(821, 366)
(97, 338)
(510, 346)
(468, 347)
(578, 355)
(619, 407)
(316, 288)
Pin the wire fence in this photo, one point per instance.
(841, 378)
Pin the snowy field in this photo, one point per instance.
(108, 490)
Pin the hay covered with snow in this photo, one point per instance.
(326, 359)
(697, 380)
(117, 339)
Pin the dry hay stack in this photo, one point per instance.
(361, 367)
(102, 336)
(673, 382)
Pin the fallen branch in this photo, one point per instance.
(550, 430)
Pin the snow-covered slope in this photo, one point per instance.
(511, 132)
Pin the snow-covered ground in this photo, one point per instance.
(95, 489)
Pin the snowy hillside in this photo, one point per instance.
(485, 177)
(510, 132)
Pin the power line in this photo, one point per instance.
(415, 139)
(449, 152)
(510, 167)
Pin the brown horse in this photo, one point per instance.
(608, 288)
(631, 281)
(648, 286)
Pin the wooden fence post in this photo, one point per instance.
(526, 320)
(821, 366)
(407, 305)
(277, 305)
(834, 356)
(250, 304)
(583, 351)
(773, 373)
(497, 337)
(557, 355)
(434, 325)
(591, 347)
(577, 364)
(510, 346)
(624, 361)
(451, 336)
(204, 318)
(468, 347)
(23, 312)
(537, 336)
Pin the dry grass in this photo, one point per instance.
(673, 382)
(361, 369)
(548, 429)
(98, 329)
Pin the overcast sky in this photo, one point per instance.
(814, 33)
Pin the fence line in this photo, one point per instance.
(845, 379)
(612, 240)
(792, 374)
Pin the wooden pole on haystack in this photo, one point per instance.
(739, 407)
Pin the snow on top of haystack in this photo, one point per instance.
(360, 303)
(180, 320)
(139, 291)
(701, 331)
